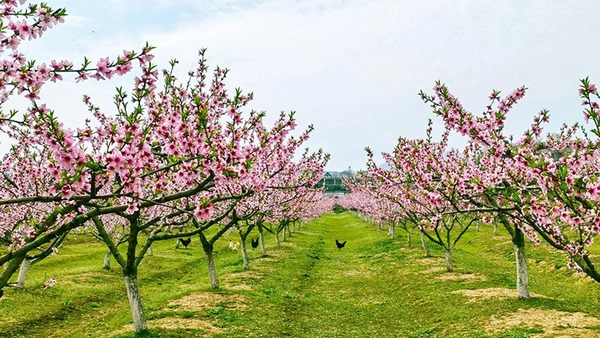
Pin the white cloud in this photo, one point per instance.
(353, 68)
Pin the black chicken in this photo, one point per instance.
(254, 243)
(340, 245)
(185, 242)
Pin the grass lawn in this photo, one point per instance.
(373, 287)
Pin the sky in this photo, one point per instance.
(351, 68)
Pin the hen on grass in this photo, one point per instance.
(340, 245)
(185, 242)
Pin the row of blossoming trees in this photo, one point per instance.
(545, 188)
(175, 158)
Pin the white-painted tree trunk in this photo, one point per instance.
(212, 270)
(408, 238)
(262, 242)
(107, 261)
(23, 271)
(245, 255)
(150, 251)
(277, 239)
(449, 266)
(283, 234)
(293, 227)
(522, 273)
(495, 229)
(392, 230)
(424, 245)
(135, 303)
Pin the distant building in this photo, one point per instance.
(333, 181)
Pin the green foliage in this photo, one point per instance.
(338, 209)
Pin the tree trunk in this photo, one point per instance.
(424, 245)
(25, 265)
(212, 270)
(495, 229)
(135, 303)
(245, 255)
(522, 274)
(521, 258)
(293, 227)
(408, 238)
(107, 261)
(283, 234)
(391, 232)
(262, 241)
(449, 266)
(277, 238)
(150, 251)
(9, 269)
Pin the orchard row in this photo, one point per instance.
(176, 158)
(545, 188)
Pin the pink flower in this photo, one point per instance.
(203, 213)
(132, 208)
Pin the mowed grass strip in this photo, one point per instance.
(307, 287)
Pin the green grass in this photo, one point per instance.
(373, 287)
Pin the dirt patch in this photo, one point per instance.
(582, 279)
(237, 287)
(171, 323)
(554, 323)
(264, 268)
(484, 294)
(241, 280)
(465, 277)
(428, 261)
(242, 275)
(357, 273)
(87, 278)
(268, 259)
(273, 253)
(200, 301)
(434, 269)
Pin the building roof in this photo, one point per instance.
(337, 174)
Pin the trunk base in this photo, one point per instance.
(135, 303)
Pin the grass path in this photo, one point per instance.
(377, 287)
(373, 287)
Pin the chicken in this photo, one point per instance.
(234, 246)
(185, 242)
(254, 243)
(340, 245)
